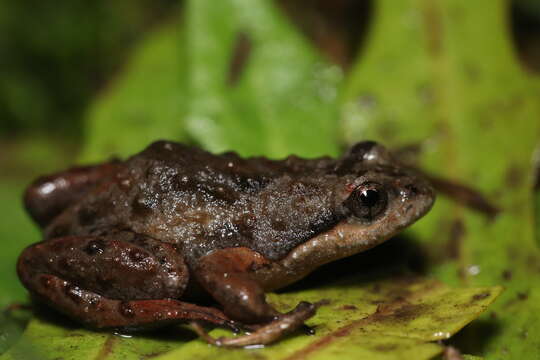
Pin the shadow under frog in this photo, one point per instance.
(127, 243)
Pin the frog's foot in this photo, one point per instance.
(266, 334)
(99, 312)
(227, 274)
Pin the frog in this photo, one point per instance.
(178, 235)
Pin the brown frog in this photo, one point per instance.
(133, 244)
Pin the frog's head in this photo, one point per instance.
(375, 198)
(382, 197)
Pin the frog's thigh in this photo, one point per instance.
(227, 275)
(124, 265)
(46, 197)
(121, 280)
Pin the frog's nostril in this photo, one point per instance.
(412, 189)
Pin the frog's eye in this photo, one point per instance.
(367, 201)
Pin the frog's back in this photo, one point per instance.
(204, 201)
(200, 201)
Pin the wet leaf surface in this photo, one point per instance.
(397, 317)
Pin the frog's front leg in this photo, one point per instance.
(122, 280)
(227, 275)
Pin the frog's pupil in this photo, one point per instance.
(369, 198)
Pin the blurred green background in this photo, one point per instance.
(83, 81)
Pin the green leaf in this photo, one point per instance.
(393, 318)
(536, 194)
(47, 340)
(443, 74)
(16, 232)
(279, 100)
(147, 101)
(22, 163)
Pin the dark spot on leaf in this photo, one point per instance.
(455, 240)
(507, 275)
(386, 347)
(367, 102)
(426, 94)
(481, 296)
(462, 274)
(536, 174)
(107, 348)
(432, 27)
(400, 311)
(348, 307)
(153, 355)
(239, 59)
(520, 297)
(472, 72)
(514, 176)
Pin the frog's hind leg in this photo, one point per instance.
(49, 195)
(122, 280)
(99, 312)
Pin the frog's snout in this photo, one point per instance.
(417, 197)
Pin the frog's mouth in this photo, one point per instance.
(349, 237)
